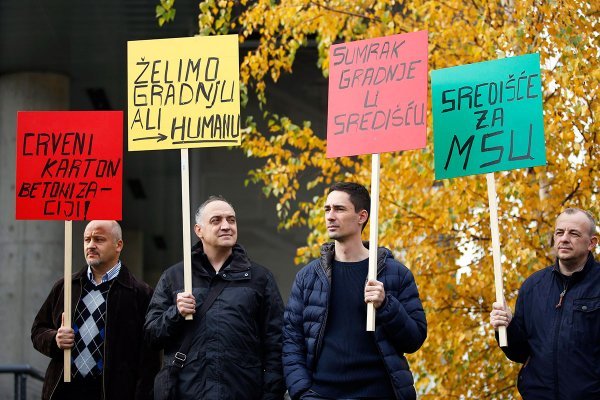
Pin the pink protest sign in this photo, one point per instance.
(69, 165)
(377, 95)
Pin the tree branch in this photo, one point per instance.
(350, 13)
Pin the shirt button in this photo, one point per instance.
(584, 308)
(246, 274)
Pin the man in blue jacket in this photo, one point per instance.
(327, 352)
(555, 331)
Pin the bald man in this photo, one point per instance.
(555, 330)
(109, 359)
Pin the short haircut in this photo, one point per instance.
(116, 231)
(114, 228)
(590, 217)
(359, 196)
(200, 210)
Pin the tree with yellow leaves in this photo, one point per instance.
(439, 229)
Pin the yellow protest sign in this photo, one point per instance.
(183, 93)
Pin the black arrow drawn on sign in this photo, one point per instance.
(160, 138)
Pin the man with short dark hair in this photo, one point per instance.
(110, 360)
(327, 352)
(235, 353)
(555, 331)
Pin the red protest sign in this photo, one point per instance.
(69, 165)
(377, 95)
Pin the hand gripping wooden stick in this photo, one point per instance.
(491, 185)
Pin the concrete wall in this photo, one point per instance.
(31, 252)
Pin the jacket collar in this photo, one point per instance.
(124, 278)
(579, 275)
(239, 257)
(328, 254)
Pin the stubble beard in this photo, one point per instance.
(571, 261)
(337, 236)
(93, 263)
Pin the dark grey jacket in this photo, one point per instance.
(236, 351)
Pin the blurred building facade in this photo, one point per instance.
(70, 55)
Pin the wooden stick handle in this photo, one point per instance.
(185, 213)
(373, 237)
(67, 295)
(498, 284)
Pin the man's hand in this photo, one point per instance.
(374, 293)
(186, 304)
(500, 315)
(65, 337)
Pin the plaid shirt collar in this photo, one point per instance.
(111, 274)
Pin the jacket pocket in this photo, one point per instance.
(244, 374)
(586, 321)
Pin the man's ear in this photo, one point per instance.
(198, 231)
(363, 215)
(119, 245)
(593, 242)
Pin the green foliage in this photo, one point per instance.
(165, 12)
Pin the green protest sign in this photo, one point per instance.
(488, 117)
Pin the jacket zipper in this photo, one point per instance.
(556, 335)
(562, 294)
(322, 330)
(385, 366)
(379, 271)
(105, 340)
(104, 347)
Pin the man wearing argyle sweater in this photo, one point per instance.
(89, 325)
(109, 358)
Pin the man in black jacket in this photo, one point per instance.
(555, 331)
(236, 348)
(110, 360)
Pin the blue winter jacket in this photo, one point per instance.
(400, 328)
(559, 346)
